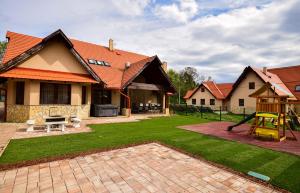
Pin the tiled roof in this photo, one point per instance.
(220, 91)
(189, 93)
(35, 74)
(275, 81)
(134, 69)
(112, 76)
(290, 76)
(225, 88)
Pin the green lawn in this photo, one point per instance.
(281, 167)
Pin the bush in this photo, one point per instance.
(189, 109)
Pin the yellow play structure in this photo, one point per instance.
(271, 118)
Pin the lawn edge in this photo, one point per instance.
(4, 167)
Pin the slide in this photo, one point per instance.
(294, 123)
(248, 118)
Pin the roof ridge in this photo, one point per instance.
(284, 67)
(218, 89)
(74, 39)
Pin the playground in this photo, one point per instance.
(240, 133)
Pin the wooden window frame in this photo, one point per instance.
(83, 95)
(20, 92)
(194, 101)
(55, 95)
(202, 101)
(212, 102)
(251, 85)
(241, 102)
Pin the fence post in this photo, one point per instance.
(201, 111)
(244, 112)
(186, 109)
(220, 113)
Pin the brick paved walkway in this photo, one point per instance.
(144, 168)
(7, 131)
(240, 133)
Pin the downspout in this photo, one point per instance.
(128, 102)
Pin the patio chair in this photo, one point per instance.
(147, 107)
(141, 107)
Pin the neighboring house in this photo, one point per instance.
(67, 76)
(209, 94)
(284, 81)
(249, 82)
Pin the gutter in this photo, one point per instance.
(128, 101)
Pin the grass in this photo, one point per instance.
(282, 168)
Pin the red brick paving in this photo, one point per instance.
(240, 133)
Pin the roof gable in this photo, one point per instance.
(219, 91)
(269, 77)
(290, 76)
(30, 46)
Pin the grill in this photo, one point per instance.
(108, 110)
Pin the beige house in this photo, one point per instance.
(236, 98)
(249, 82)
(56, 75)
(209, 94)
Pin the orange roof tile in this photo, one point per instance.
(290, 76)
(220, 91)
(112, 76)
(35, 74)
(189, 93)
(134, 69)
(225, 88)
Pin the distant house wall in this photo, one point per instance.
(207, 96)
(242, 92)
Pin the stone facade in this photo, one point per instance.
(21, 113)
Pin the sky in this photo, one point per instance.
(218, 37)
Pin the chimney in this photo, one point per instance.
(127, 65)
(265, 70)
(164, 66)
(111, 44)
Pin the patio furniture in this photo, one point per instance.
(75, 122)
(107, 110)
(30, 123)
(141, 107)
(55, 121)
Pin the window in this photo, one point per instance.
(193, 101)
(101, 63)
(83, 95)
(212, 102)
(241, 102)
(297, 88)
(202, 101)
(20, 93)
(91, 61)
(51, 93)
(202, 89)
(251, 85)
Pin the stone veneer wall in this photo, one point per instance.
(17, 113)
(21, 113)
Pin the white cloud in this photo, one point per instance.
(218, 45)
(131, 7)
(181, 11)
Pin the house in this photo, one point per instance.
(249, 82)
(67, 77)
(285, 81)
(209, 94)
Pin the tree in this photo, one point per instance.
(3, 45)
(184, 80)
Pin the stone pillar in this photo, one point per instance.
(167, 110)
